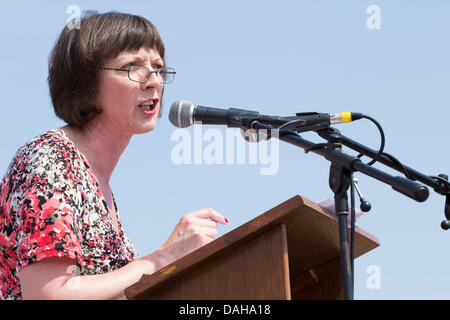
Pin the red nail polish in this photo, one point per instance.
(226, 220)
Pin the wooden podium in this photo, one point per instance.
(290, 252)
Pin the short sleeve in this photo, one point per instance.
(48, 229)
(47, 206)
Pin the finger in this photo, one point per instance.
(204, 222)
(191, 220)
(211, 214)
(195, 229)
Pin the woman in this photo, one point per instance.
(60, 233)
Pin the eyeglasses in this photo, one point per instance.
(142, 74)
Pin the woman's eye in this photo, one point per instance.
(129, 65)
(157, 66)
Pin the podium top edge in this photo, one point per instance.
(283, 213)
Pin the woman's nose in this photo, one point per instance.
(153, 80)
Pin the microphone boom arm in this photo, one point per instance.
(436, 183)
(440, 183)
(405, 186)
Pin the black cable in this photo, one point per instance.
(380, 129)
(287, 124)
(380, 151)
(398, 163)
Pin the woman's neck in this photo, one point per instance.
(100, 146)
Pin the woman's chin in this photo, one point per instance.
(145, 128)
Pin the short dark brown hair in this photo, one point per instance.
(80, 52)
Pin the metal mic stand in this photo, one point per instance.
(342, 166)
(439, 183)
(339, 182)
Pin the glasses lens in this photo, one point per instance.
(167, 74)
(138, 74)
(142, 74)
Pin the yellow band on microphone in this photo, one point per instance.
(346, 117)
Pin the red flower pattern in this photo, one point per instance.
(51, 205)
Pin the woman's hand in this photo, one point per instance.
(193, 231)
(54, 278)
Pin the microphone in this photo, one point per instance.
(184, 113)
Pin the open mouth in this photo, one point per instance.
(149, 105)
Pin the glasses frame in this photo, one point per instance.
(149, 73)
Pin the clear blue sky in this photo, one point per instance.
(277, 58)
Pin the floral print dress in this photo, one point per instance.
(51, 205)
